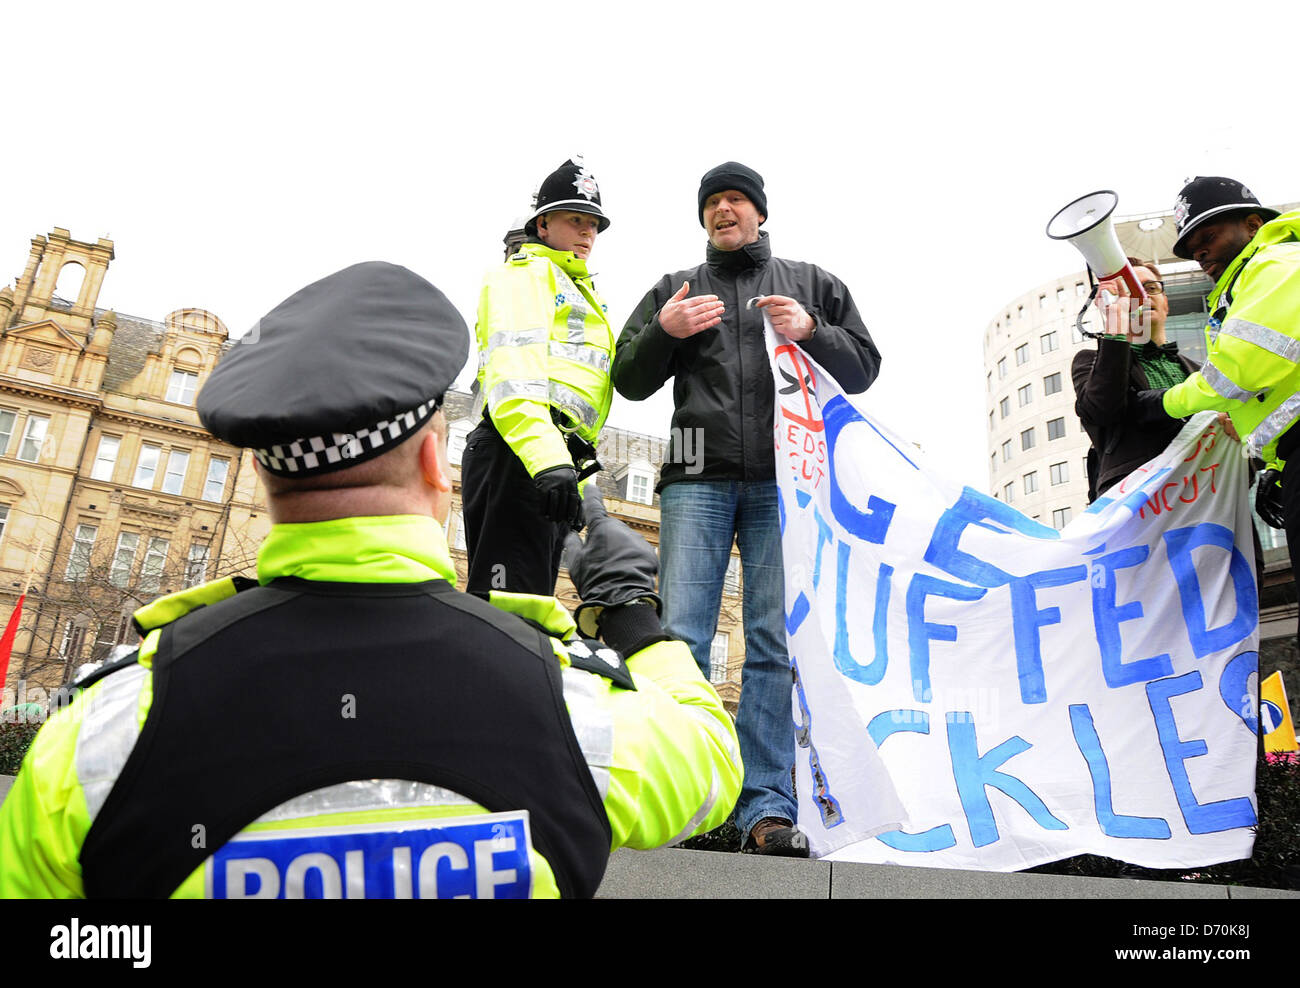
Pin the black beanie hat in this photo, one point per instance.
(733, 175)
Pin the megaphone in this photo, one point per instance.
(1086, 224)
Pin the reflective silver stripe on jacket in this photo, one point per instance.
(576, 321)
(363, 795)
(1264, 338)
(1274, 424)
(705, 809)
(522, 337)
(579, 409)
(536, 390)
(588, 354)
(109, 729)
(1224, 385)
(592, 723)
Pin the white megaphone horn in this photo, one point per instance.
(1086, 224)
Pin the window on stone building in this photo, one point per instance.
(1006, 451)
(1026, 394)
(119, 573)
(1060, 473)
(83, 544)
(33, 438)
(146, 468)
(155, 561)
(1031, 481)
(1056, 428)
(178, 462)
(731, 582)
(181, 387)
(6, 430)
(105, 458)
(1009, 491)
(214, 487)
(1052, 384)
(196, 567)
(1027, 438)
(4, 519)
(1049, 341)
(640, 486)
(718, 657)
(1060, 518)
(458, 532)
(1022, 354)
(1002, 368)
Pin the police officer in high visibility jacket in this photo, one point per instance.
(545, 348)
(1252, 371)
(349, 725)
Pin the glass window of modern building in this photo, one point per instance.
(1052, 383)
(1026, 394)
(1005, 405)
(1056, 429)
(1006, 451)
(1049, 341)
(1022, 354)
(1009, 492)
(1031, 481)
(1060, 473)
(1002, 368)
(1060, 518)
(1027, 438)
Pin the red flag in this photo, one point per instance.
(7, 639)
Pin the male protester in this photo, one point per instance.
(1252, 371)
(353, 726)
(719, 482)
(545, 346)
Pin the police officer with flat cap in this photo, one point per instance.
(545, 349)
(349, 725)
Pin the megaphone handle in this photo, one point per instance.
(1135, 286)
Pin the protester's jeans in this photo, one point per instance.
(698, 521)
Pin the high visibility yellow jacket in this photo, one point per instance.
(663, 757)
(544, 342)
(1253, 368)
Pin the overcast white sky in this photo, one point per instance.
(235, 153)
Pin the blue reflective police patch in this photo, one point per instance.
(484, 856)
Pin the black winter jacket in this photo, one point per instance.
(722, 389)
(1125, 431)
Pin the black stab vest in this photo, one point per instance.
(248, 712)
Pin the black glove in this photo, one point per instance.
(1268, 498)
(561, 501)
(614, 567)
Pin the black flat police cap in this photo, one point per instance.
(1211, 197)
(338, 373)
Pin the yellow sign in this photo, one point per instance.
(1275, 716)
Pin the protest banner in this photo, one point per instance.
(1029, 694)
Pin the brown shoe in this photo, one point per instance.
(778, 837)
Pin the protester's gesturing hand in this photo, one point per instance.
(683, 317)
(789, 318)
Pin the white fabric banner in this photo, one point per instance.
(1028, 694)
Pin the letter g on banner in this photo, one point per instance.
(872, 524)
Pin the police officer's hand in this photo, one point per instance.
(682, 317)
(614, 567)
(561, 501)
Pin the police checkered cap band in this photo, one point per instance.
(337, 450)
